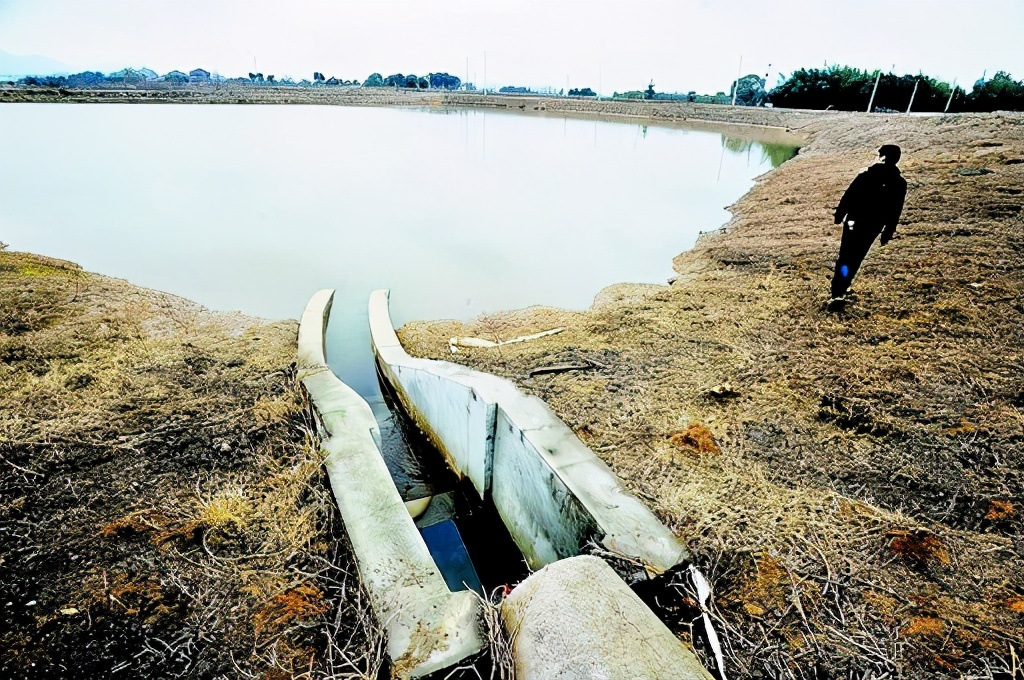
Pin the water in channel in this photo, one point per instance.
(458, 212)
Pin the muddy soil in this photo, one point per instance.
(853, 479)
(162, 512)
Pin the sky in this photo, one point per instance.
(607, 45)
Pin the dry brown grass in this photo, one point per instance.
(166, 494)
(873, 455)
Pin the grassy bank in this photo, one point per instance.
(162, 508)
(854, 481)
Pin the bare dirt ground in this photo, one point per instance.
(853, 482)
(162, 510)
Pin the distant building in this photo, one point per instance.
(198, 76)
(175, 77)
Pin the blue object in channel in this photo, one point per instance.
(449, 552)
(844, 270)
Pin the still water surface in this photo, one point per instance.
(254, 208)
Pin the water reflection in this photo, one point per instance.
(775, 154)
(460, 214)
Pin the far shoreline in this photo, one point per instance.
(773, 126)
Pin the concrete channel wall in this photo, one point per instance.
(553, 494)
(429, 628)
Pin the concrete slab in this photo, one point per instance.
(577, 620)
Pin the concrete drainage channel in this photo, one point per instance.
(574, 617)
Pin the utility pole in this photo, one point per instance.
(950, 100)
(913, 94)
(736, 86)
(874, 90)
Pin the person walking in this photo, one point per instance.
(870, 207)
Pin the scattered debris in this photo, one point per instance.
(482, 343)
(562, 368)
(723, 391)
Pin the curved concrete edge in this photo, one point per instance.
(577, 619)
(553, 492)
(453, 408)
(626, 525)
(429, 628)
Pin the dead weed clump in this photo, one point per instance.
(999, 510)
(225, 513)
(918, 545)
(925, 625)
(296, 605)
(138, 522)
(765, 588)
(697, 438)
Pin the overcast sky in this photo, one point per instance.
(608, 45)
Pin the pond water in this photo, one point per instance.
(458, 212)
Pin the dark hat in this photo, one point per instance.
(891, 153)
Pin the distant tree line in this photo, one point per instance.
(127, 76)
(849, 89)
(651, 95)
(835, 87)
(77, 80)
(321, 79)
(435, 81)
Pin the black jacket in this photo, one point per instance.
(874, 201)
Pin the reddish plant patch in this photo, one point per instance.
(924, 625)
(696, 437)
(297, 604)
(1000, 510)
(918, 544)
